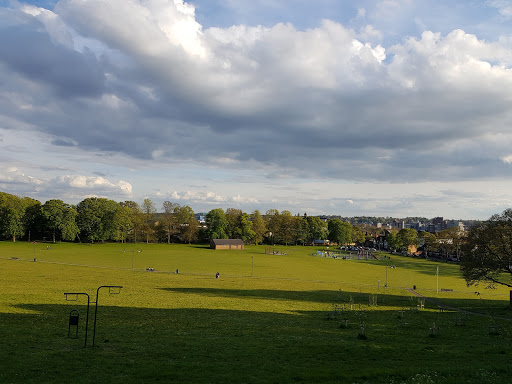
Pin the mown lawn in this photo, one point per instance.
(299, 318)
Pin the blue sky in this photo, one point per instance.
(381, 108)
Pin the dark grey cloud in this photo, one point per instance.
(28, 50)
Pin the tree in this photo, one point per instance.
(302, 233)
(286, 230)
(96, 218)
(357, 234)
(429, 241)
(168, 221)
(233, 216)
(451, 241)
(258, 226)
(216, 224)
(339, 232)
(317, 229)
(33, 219)
(272, 221)
(407, 237)
(487, 252)
(186, 223)
(246, 233)
(12, 211)
(136, 219)
(60, 218)
(394, 242)
(123, 222)
(148, 210)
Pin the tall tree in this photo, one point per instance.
(186, 223)
(451, 240)
(408, 237)
(149, 210)
(340, 232)
(168, 221)
(96, 218)
(258, 226)
(246, 232)
(60, 218)
(273, 223)
(488, 252)
(216, 224)
(12, 212)
(317, 228)
(429, 241)
(357, 234)
(287, 228)
(233, 216)
(136, 219)
(301, 230)
(123, 222)
(33, 219)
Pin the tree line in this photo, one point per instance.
(94, 220)
(97, 219)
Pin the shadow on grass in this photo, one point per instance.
(485, 307)
(227, 345)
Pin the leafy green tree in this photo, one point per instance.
(394, 242)
(357, 235)
(33, 219)
(60, 218)
(148, 210)
(429, 241)
(273, 224)
(136, 219)
(233, 216)
(12, 212)
(487, 252)
(168, 221)
(187, 223)
(96, 218)
(287, 228)
(259, 227)
(246, 232)
(451, 241)
(408, 237)
(216, 224)
(69, 228)
(123, 222)
(340, 232)
(302, 233)
(317, 229)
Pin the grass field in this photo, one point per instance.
(267, 319)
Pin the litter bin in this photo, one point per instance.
(414, 287)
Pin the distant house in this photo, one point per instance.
(321, 242)
(226, 244)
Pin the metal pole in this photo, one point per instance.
(95, 315)
(386, 275)
(437, 273)
(96, 309)
(252, 265)
(86, 320)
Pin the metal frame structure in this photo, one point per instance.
(112, 290)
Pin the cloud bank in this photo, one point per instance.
(146, 81)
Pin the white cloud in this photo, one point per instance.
(13, 175)
(126, 84)
(504, 7)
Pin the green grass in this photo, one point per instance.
(284, 324)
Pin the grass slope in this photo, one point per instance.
(299, 318)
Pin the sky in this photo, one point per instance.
(354, 108)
